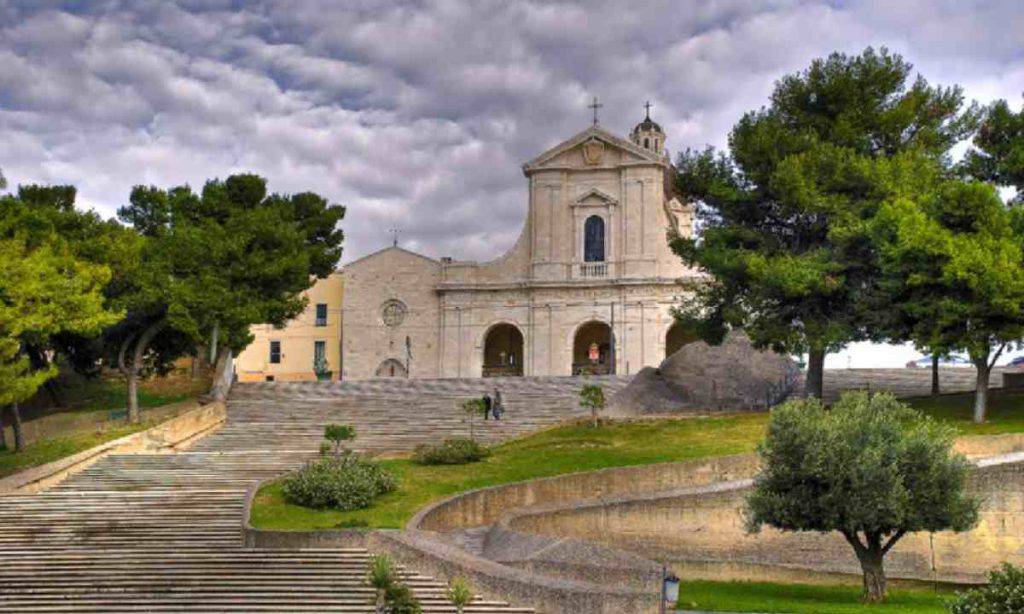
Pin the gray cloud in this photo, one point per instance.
(420, 114)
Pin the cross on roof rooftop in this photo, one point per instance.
(595, 106)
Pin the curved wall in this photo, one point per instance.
(702, 530)
(486, 506)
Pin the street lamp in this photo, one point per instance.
(669, 588)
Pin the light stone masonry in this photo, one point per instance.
(587, 288)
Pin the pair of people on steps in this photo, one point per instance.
(493, 406)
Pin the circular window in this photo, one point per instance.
(393, 313)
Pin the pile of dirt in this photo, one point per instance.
(699, 377)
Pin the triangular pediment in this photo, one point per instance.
(595, 147)
(393, 252)
(595, 197)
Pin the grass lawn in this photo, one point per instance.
(71, 434)
(1005, 412)
(49, 450)
(581, 448)
(104, 394)
(552, 452)
(806, 598)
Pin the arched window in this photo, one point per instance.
(647, 143)
(593, 239)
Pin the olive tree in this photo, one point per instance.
(869, 468)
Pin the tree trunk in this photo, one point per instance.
(134, 416)
(935, 374)
(53, 391)
(981, 389)
(19, 438)
(381, 603)
(871, 563)
(814, 385)
(222, 378)
(3, 432)
(131, 371)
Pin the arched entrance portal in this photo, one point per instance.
(503, 351)
(592, 350)
(391, 368)
(677, 336)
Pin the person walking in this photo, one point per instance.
(488, 404)
(497, 405)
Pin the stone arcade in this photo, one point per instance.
(592, 265)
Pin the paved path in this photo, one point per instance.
(162, 532)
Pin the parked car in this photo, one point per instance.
(925, 362)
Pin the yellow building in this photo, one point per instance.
(290, 353)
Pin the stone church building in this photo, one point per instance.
(587, 288)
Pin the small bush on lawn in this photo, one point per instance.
(456, 451)
(337, 434)
(345, 482)
(1004, 594)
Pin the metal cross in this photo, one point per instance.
(595, 106)
(647, 105)
(394, 236)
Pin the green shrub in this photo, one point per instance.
(344, 482)
(400, 600)
(1004, 594)
(459, 594)
(592, 398)
(455, 451)
(391, 596)
(338, 433)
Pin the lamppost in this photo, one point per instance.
(669, 588)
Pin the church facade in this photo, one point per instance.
(588, 287)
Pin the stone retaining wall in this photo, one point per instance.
(58, 424)
(174, 434)
(547, 595)
(419, 550)
(685, 513)
(987, 446)
(487, 505)
(701, 531)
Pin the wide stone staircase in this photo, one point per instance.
(393, 415)
(162, 532)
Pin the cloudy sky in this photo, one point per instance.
(418, 115)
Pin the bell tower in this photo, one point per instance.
(648, 134)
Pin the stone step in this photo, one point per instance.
(162, 532)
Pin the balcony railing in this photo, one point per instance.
(502, 371)
(591, 368)
(592, 269)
